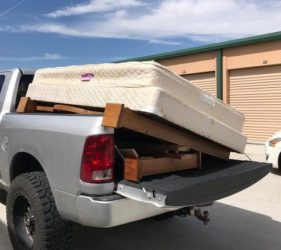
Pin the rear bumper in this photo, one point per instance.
(97, 213)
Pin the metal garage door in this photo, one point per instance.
(205, 81)
(257, 93)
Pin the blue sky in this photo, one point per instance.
(65, 32)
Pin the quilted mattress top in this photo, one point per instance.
(141, 75)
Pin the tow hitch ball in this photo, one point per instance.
(195, 212)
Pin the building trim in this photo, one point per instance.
(211, 47)
(219, 74)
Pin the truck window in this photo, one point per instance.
(2, 79)
(23, 86)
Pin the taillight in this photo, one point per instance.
(98, 159)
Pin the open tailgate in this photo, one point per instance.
(217, 179)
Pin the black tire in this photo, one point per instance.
(279, 162)
(32, 216)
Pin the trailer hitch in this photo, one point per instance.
(202, 216)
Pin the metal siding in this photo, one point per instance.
(205, 81)
(211, 47)
(257, 93)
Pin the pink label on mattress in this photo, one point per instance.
(87, 77)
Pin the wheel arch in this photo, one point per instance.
(24, 162)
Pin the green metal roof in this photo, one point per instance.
(211, 47)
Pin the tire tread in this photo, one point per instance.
(55, 233)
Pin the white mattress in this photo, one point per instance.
(142, 86)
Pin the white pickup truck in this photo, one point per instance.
(63, 168)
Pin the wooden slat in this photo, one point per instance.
(153, 149)
(72, 109)
(44, 109)
(126, 118)
(112, 115)
(26, 105)
(135, 168)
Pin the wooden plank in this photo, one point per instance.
(76, 110)
(158, 150)
(153, 149)
(126, 118)
(131, 169)
(112, 115)
(179, 156)
(135, 168)
(44, 109)
(166, 165)
(26, 105)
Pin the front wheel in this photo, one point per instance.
(32, 217)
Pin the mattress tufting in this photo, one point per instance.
(142, 86)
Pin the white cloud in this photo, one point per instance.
(53, 56)
(46, 56)
(166, 21)
(95, 6)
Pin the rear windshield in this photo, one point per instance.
(23, 86)
(2, 79)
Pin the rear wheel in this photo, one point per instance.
(32, 217)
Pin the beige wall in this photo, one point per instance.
(197, 68)
(191, 64)
(249, 56)
(256, 55)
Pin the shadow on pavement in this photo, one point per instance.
(3, 196)
(4, 238)
(229, 228)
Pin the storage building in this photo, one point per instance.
(246, 73)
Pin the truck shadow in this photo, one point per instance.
(3, 196)
(230, 228)
(276, 171)
(4, 238)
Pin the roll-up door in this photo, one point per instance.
(256, 92)
(205, 81)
